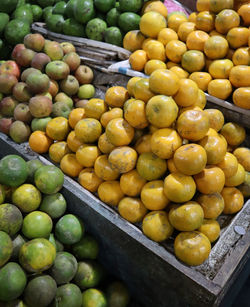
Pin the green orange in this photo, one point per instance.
(6, 247)
(37, 224)
(27, 197)
(94, 297)
(11, 219)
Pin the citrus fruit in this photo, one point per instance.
(226, 20)
(245, 186)
(210, 180)
(94, 296)
(215, 147)
(234, 133)
(39, 141)
(40, 291)
(166, 35)
(152, 23)
(26, 197)
(89, 180)
(110, 192)
(33, 165)
(243, 156)
(241, 97)
(57, 128)
(119, 132)
(69, 229)
(54, 205)
(131, 183)
(64, 268)
(216, 119)
(156, 226)
(11, 219)
(152, 195)
(104, 170)
(233, 200)
(88, 130)
(37, 224)
(164, 82)
(13, 170)
(212, 204)
(49, 179)
(132, 209)
(89, 274)
(37, 255)
(17, 243)
(138, 60)
(68, 295)
(236, 179)
(70, 166)
(211, 229)
(192, 247)
(12, 281)
(6, 247)
(220, 88)
(229, 165)
(86, 248)
(133, 40)
(58, 150)
(156, 6)
(111, 114)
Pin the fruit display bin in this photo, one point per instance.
(151, 271)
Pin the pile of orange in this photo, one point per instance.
(210, 47)
(153, 152)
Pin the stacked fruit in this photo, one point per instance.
(142, 150)
(41, 82)
(45, 256)
(210, 47)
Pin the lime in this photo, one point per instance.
(27, 197)
(37, 224)
(86, 248)
(11, 219)
(13, 170)
(6, 247)
(33, 165)
(94, 297)
(54, 205)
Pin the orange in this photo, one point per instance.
(229, 165)
(174, 50)
(104, 170)
(185, 29)
(150, 167)
(152, 195)
(156, 226)
(186, 217)
(104, 145)
(156, 6)
(75, 115)
(181, 73)
(233, 199)
(175, 20)
(192, 247)
(216, 47)
(58, 128)
(111, 114)
(240, 76)
(39, 141)
(131, 84)
(220, 88)
(132, 183)
(243, 156)
(192, 107)
(236, 179)
(196, 40)
(88, 130)
(146, 42)
(171, 166)
(164, 82)
(166, 35)
(215, 33)
(133, 40)
(216, 119)
(192, 17)
(95, 107)
(58, 150)
(119, 132)
(155, 51)
(89, 180)
(226, 20)
(142, 91)
(110, 192)
(207, 64)
(212, 204)
(241, 56)
(193, 60)
(202, 5)
(201, 79)
(152, 65)
(230, 54)
(179, 188)
(143, 144)
(123, 159)
(87, 154)
(116, 96)
(152, 23)
(238, 37)
(190, 159)
(135, 113)
(205, 21)
(211, 229)
(187, 94)
(243, 12)
(217, 6)
(193, 125)
(132, 209)
(137, 60)
(210, 180)
(70, 166)
(233, 133)
(161, 110)
(73, 142)
(220, 69)
(164, 142)
(215, 147)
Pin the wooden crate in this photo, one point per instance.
(154, 276)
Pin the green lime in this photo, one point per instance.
(86, 248)
(37, 224)
(54, 205)
(27, 197)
